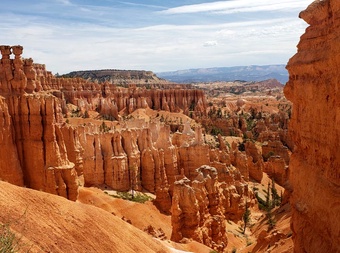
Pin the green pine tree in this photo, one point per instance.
(246, 218)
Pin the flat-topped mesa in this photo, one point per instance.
(313, 88)
(119, 77)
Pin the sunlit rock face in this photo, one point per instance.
(313, 88)
(201, 206)
(39, 150)
(35, 153)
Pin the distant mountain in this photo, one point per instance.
(116, 76)
(245, 73)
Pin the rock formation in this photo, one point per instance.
(200, 185)
(47, 154)
(255, 161)
(31, 129)
(9, 157)
(200, 207)
(313, 88)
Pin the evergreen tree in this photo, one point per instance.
(246, 218)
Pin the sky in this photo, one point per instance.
(69, 35)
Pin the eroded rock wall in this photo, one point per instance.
(35, 154)
(201, 207)
(40, 144)
(109, 99)
(10, 167)
(313, 88)
(51, 155)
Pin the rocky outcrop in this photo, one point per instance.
(255, 161)
(31, 125)
(200, 207)
(49, 151)
(40, 145)
(277, 169)
(10, 167)
(313, 88)
(49, 155)
(276, 148)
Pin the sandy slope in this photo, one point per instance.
(50, 223)
(140, 215)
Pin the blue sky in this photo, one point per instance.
(153, 35)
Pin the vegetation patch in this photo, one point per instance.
(9, 241)
(135, 196)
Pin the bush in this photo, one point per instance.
(261, 202)
(136, 197)
(86, 115)
(216, 131)
(268, 155)
(8, 241)
(104, 128)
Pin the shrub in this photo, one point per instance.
(86, 115)
(246, 218)
(268, 155)
(8, 241)
(104, 128)
(136, 197)
(216, 131)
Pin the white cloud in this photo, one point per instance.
(210, 43)
(234, 6)
(236, 24)
(102, 37)
(144, 5)
(158, 48)
(65, 2)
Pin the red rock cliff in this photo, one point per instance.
(314, 89)
(35, 154)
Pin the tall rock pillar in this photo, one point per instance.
(314, 89)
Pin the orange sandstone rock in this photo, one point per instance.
(313, 88)
(201, 206)
(10, 167)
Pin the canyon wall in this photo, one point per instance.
(111, 100)
(200, 185)
(35, 153)
(313, 88)
(43, 152)
(201, 206)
